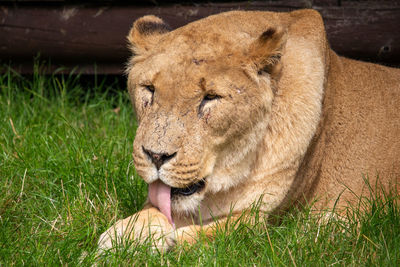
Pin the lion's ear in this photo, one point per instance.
(267, 50)
(146, 32)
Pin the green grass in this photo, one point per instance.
(66, 175)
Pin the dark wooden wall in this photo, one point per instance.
(92, 36)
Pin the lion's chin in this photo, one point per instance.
(186, 201)
(186, 205)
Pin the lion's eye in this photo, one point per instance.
(149, 88)
(210, 97)
(207, 98)
(148, 99)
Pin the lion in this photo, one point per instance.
(249, 105)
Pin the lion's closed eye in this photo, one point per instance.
(208, 98)
(148, 94)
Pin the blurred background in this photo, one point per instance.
(90, 36)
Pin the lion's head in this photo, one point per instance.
(201, 98)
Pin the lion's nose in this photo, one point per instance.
(158, 159)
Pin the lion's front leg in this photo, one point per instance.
(149, 224)
(190, 234)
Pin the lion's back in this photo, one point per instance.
(361, 128)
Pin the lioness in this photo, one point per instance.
(247, 105)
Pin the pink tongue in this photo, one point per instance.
(160, 196)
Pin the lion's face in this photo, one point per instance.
(198, 107)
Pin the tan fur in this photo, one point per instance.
(294, 121)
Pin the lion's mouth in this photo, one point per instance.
(189, 190)
(160, 195)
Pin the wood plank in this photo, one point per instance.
(88, 35)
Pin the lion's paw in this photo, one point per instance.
(145, 226)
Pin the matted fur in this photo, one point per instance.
(258, 105)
